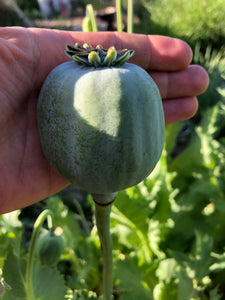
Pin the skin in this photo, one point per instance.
(28, 55)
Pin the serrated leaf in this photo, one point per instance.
(14, 274)
(10, 234)
(196, 265)
(166, 270)
(187, 161)
(160, 190)
(129, 221)
(11, 220)
(163, 291)
(185, 287)
(219, 262)
(202, 258)
(171, 133)
(134, 280)
(47, 283)
(214, 294)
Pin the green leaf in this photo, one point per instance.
(11, 231)
(196, 265)
(219, 262)
(161, 198)
(171, 134)
(134, 280)
(187, 161)
(166, 270)
(167, 286)
(165, 291)
(129, 222)
(159, 191)
(14, 274)
(47, 283)
(202, 254)
(11, 220)
(185, 287)
(214, 294)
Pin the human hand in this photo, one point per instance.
(28, 55)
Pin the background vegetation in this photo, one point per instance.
(168, 232)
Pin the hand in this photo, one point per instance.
(28, 55)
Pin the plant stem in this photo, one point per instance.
(91, 15)
(102, 215)
(130, 13)
(119, 18)
(29, 268)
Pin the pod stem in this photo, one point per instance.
(102, 215)
(46, 214)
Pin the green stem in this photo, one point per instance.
(130, 14)
(29, 268)
(91, 14)
(102, 215)
(119, 18)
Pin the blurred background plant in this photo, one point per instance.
(168, 231)
(194, 21)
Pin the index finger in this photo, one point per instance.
(153, 52)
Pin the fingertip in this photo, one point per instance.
(201, 81)
(188, 52)
(176, 110)
(169, 53)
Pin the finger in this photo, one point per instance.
(164, 54)
(151, 52)
(192, 81)
(176, 110)
(158, 53)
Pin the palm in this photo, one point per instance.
(27, 56)
(25, 174)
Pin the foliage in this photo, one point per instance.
(8, 16)
(214, 62)
(194, 21)
(27, 4)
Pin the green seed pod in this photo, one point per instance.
(50, 247)
(101, 120)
